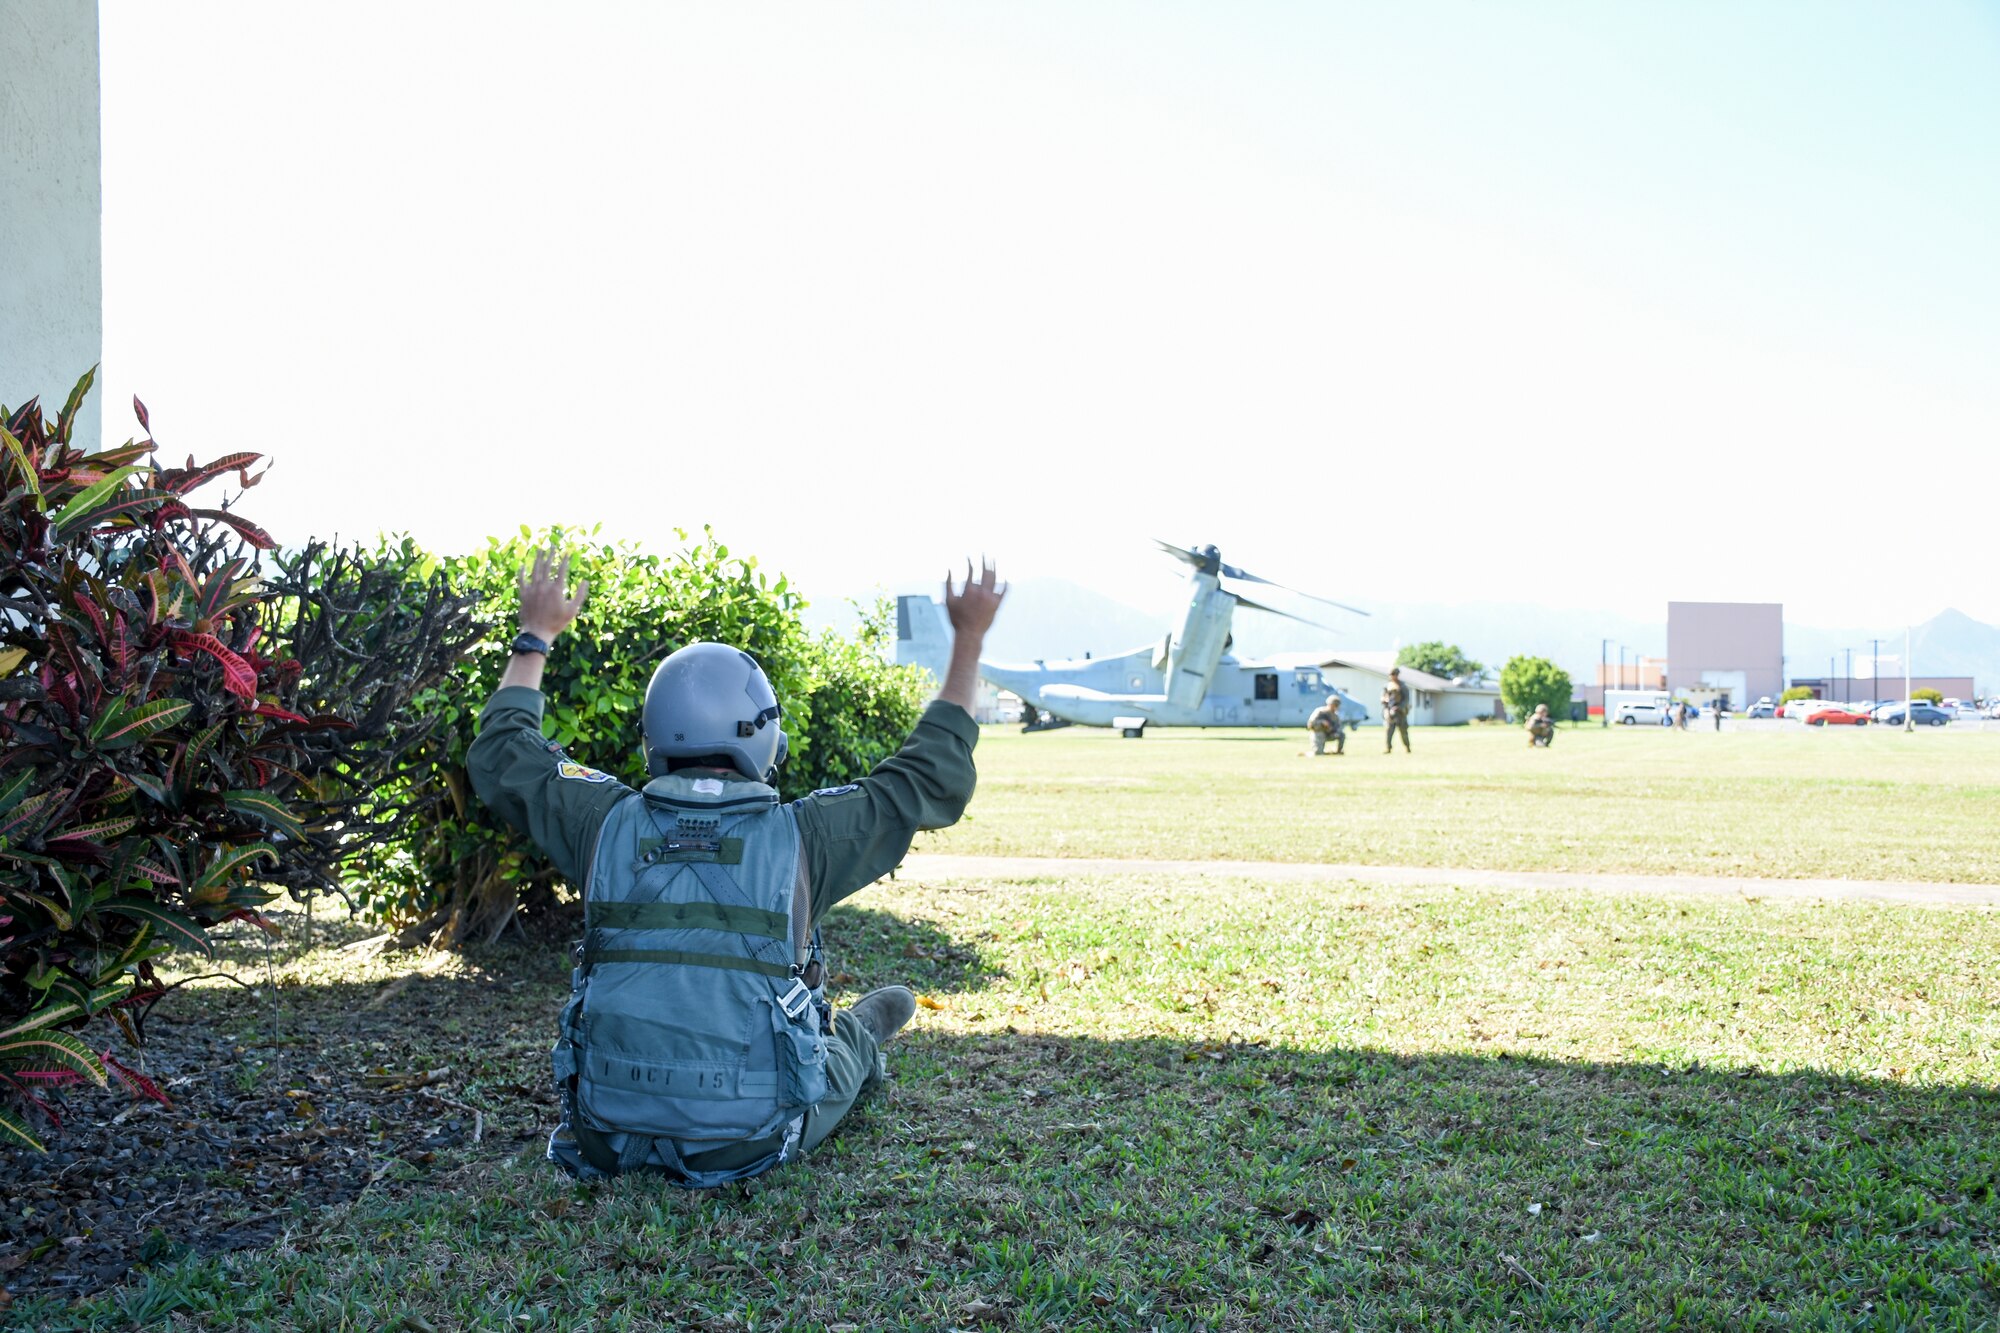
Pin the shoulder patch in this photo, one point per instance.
(838, 791)
(576, 772)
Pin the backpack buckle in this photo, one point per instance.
(796, 1001)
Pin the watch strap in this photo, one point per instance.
(525, 642)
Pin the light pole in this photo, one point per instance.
(1875, 669)
(1847, 678)
(1603, 655)
(1909, 705)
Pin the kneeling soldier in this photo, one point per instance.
(1325, 725)
(1541, 727)
(697, 1041)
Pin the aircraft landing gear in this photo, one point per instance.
(1131, 728)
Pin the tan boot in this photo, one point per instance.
(884, 1012)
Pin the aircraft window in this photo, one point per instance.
(1267, 686)
(1138, 682)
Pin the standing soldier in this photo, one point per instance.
(1717, 707)
(1325, 724)
(1541, 727)
(1395, 712)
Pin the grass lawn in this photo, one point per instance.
(1792, 803)
(1138, 1102)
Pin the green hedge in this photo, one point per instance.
(462, 875)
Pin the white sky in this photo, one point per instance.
(1588, 304)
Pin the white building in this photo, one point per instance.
(51, 268)
(1434, 701)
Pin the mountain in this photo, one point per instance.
(1044, 617)
(1950, 643)
(1057, 618)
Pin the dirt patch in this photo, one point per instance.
(286, 1099)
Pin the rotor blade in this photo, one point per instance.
(1241, 600)
(1247, 577)
(1180, 553)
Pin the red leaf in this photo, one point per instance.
(119, 642)
(168, 512)
(237, 677)
(136, 1081)
(182, 480)
(272, 710)
(180, 566)
(90, 613)
(139, 409)
(257, 919)
(249, 531)
(54, 1077)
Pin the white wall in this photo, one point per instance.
(1457, 706)
(51, 253)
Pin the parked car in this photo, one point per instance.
(1634, 711)
(1927, 715)
(1993, 710)
(1799, 707)
(1631, 712)
(1963, 710)
(1837, 715)
(1762, 708)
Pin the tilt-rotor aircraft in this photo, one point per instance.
(1188, 679)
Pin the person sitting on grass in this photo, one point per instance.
(697, 1041)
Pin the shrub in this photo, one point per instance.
(1440, 659)
(1793, 695)
(463, 875)
(163, 753)
(1927, 695)
(1527, 681)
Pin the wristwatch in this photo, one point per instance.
(525, 642)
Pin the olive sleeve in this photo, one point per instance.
(856, 834)
(525, 779)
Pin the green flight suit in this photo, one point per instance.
(850, 837)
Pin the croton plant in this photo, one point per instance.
(185, 720)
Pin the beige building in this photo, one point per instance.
(1732, 649)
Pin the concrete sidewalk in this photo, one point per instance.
(920, 865)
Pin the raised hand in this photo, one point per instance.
(973, 605)
(547, 608)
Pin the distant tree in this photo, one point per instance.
(1440, 659)
(1795, 693)
(1527, 681)
(1928, 695)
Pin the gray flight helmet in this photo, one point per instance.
(711, 699)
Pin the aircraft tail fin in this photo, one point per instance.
(923, 635)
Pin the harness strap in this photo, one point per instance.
(721, 884)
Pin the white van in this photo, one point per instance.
(1631, 707)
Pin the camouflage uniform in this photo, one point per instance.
(1395, 713)
(1541, 727)
(1325, 724)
